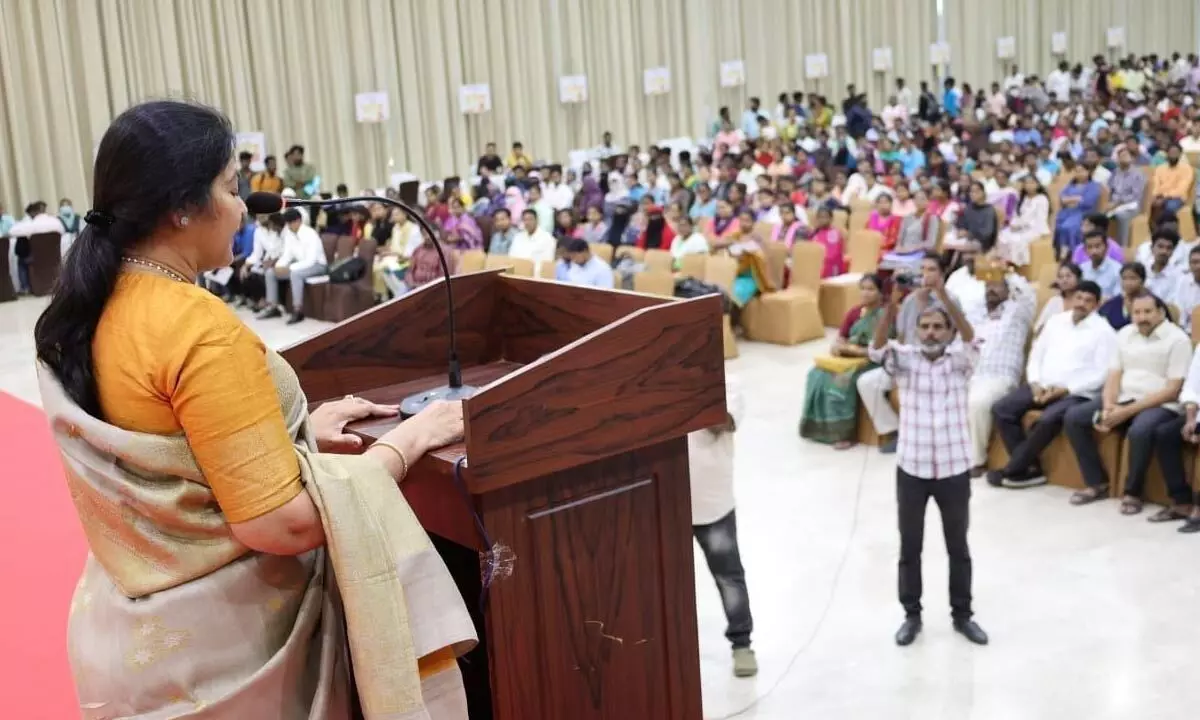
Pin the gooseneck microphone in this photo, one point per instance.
(265, 203)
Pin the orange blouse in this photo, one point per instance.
(172, 358)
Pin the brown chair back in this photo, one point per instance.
(658, 260)
(604, 251)
(1196, 325)
(45, 261)
(472, 261)
(776, 254)
(329, 241)
(863, 249)
(720, 270)
(693, 265)
(808, 260)
(636, 253)
(654, 282)
(346, 245)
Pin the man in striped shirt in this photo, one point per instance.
(933, 452)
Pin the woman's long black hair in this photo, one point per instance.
(156, 159)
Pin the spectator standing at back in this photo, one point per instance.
(518, 157)
(904, 95)
(244, 173)
(298, 176)
(933, 458)
(927, 108)
(267, 180)
(951, 99)
(750, 127)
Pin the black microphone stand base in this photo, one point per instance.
(414, 404)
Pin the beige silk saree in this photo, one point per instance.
(173, 618)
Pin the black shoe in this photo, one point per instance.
(971, 631)
(1191, 525)
(295, 318)
(1030, 478)
(908, 631)
(270, 314)
(995, 478)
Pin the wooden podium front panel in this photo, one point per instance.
(598, 619)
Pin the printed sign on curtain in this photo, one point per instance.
(572, 89)
(1006, 47)
(371, 107)
(881, 59)
(254, 143)
(816, 66)
(656, 81)
(939, 53)
(475, 99)
(1116, 37)
(733, 73)
(1058, 43)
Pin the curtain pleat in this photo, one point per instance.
(291, 68)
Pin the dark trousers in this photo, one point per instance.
(953, 498)
(719, 543)
(23, 275)
(1168, 446)
(1023, 450)
(1146, 431)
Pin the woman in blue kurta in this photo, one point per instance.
(1078, 199)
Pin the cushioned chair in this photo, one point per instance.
(838, 295)
(776, 254)
(1058, 459)
(658, 260)
(727, 338)
(863, 249)
(654, 282)
(841, 220)
(808, 259)
(604, 251)
(547, 270)
(720, 270)
(865, 429)
(785, 317)
(1041, 255)
(335, 302)
(510, 265)
(636, 253)
(45, 262)
(693, 265)
(471, 261)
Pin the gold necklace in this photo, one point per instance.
(157, 267)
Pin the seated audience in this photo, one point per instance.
(884, 222)
(1179, 257)
(831, 238)
(1067, 367)
(1098, 222)
(1100, 268)
(579, 266)
(977, 222)
(1117, 310)
(1139, 400)
(303, 257)
(503, 233)
(1187, 290)
(532, 242)
(1066, 280)
(1184, 503)
(1161, 275)
(658, 234)
(1030, 223)
(35, 222)
(459, 229)
(752, 277)
(266, 251)
(1077, 200)
(1127, 189)
(425, 265)
(1002, 326)
(594, 229)
(918, 232)
(397, 238)
(689, 241)
(830, 413)
(1172, 186)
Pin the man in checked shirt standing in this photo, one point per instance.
(933, 452)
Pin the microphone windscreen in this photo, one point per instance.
(263, 203)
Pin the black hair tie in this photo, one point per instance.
(99, 219)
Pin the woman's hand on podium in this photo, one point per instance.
(329, 422)
(438, 425)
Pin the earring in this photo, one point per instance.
(183, 221)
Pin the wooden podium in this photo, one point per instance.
(576, 466)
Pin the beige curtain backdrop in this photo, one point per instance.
(291, 68)
(973, 27)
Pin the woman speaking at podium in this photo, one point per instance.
(239, 567)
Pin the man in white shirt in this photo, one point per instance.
(1002, 325)
(268, 247)
(688, 240)
(1067, 367)
(558, 194)
(904, 96)
(1161, 275)
(714, 525)
(894, 114)
(1179, 256)
(1170, 456)
(1015, 80)
(532, 242)
(1139, 400)
(1187, 290)
(1058, 82)
(303, 258)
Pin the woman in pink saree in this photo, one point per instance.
(832, 240)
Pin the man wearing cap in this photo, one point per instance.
(579, 266)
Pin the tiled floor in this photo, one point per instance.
(1092, 615)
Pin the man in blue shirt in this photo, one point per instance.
(579, 266)
(1100, 268)
(951, 98)
(750, 120)
(911, 158)
(1027, 135)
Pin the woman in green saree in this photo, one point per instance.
(830, 413)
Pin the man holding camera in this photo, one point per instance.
(933, 449)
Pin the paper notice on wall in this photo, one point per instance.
(1116, 37)
(572, 89)
(254, 143)
(1058, 43)
(816, 66)
(371, 107)
(1006, 47)
(475, 99)
(656, 81)
(881, 59)
(939, 53)
(733, 73)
